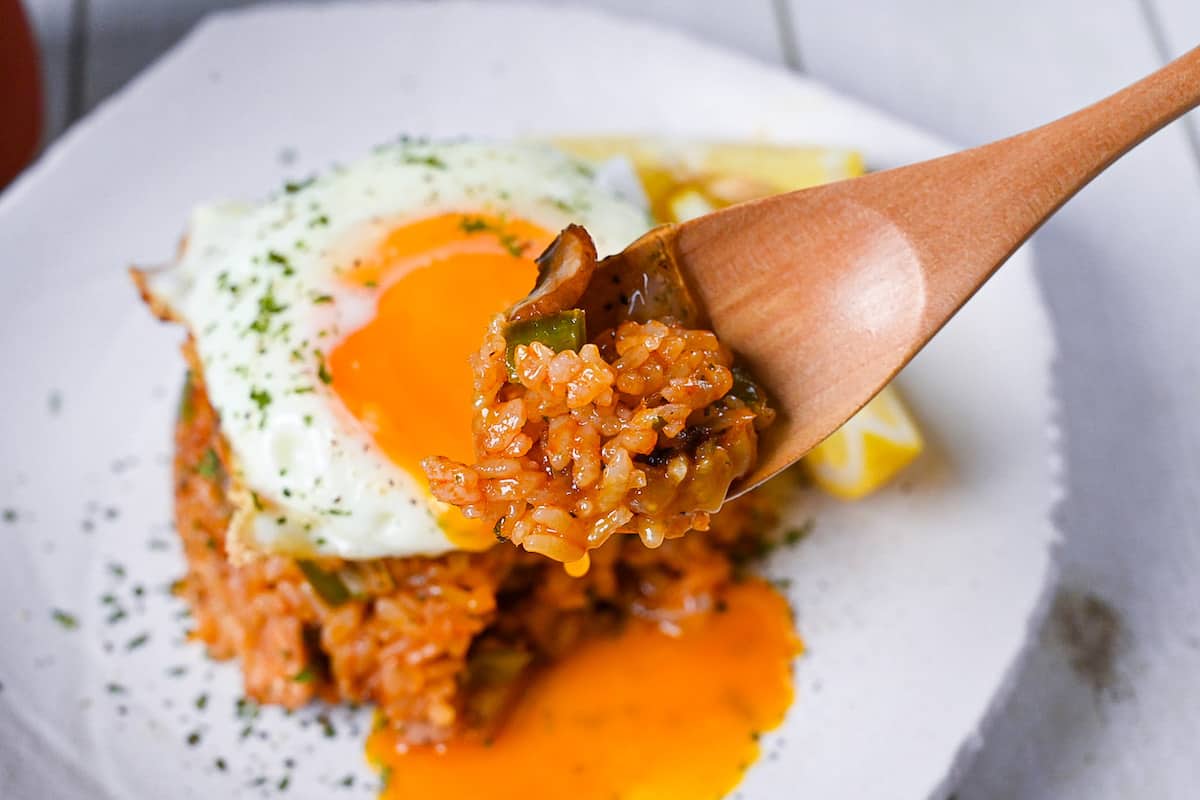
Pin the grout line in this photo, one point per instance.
(1158, 39)
(77, 54)
(787, 35)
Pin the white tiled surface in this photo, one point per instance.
(1121, 270)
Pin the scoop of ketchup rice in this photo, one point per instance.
(20, 92)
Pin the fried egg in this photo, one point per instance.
(334, 322)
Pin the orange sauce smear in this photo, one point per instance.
(440, 281)
(638, 716)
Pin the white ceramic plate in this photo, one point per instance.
(915, 604)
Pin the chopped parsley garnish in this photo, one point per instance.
(796, 535)
(137, 641)
(425, 160)
(323, 371)
(291, 187)
(66, 620)
(210, 465)
(473, 224)
(305, 675)
(246, 708)
(261, 398)
(275, 257)
(509, 241)
(514, 246)
(322, 298)
(267, 306)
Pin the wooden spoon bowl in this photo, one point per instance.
(828, 292)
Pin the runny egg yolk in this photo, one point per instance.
(638, 716)
(405, 374)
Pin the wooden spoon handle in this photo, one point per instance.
(971, 210)
(955, 219)
(1104, 131)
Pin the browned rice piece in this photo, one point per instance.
(634, 433)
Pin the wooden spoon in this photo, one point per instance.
(828, 292)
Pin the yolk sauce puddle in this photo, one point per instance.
(405, 374)
(637, 716)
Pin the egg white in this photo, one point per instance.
(253, 284)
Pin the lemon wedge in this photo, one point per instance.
(868, 451)
(686, 179)
(721, 172)
(688, 204)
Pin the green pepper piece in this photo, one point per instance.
(496, 666)
(751, 392)
(493, 679)
(328, 585)
(746, 389)
(187, 404)
(562, 331)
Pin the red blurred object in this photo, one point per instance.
(20, 92)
